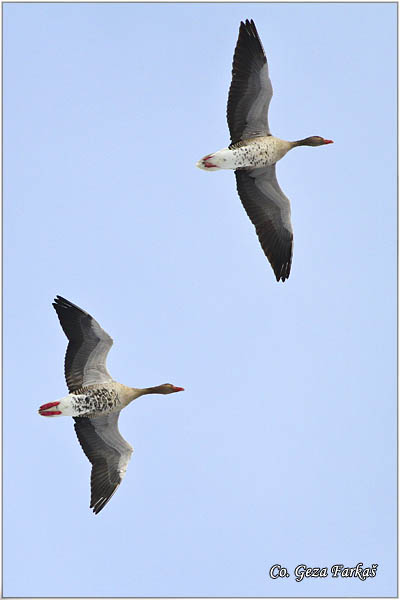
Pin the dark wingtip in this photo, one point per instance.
(281, 278)
(61, 301)
(282, 273)
(249, 26)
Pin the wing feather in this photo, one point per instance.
(269, 210)
(108, 452)
(251, 90)
(89, 344)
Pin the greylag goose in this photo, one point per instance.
(253, 151)
(95, 400)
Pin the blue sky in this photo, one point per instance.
(282, 449)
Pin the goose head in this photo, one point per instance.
(314, 140)
(166, 388)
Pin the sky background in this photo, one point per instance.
(282, 449)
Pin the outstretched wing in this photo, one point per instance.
(108, 452)
(89, 344)
(269, 211)
(251, 89)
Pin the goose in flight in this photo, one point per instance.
(95, 400)
(253, 151)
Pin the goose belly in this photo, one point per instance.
(96, 402)
(90, 403)
(259, 152)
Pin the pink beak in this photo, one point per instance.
(328, 141)
(178, 389)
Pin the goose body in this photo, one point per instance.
(254, 152)
(95, 400)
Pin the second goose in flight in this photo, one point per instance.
(95, 400)
(254, 152)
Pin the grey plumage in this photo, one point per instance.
(108, 452)
(254, 152)
(95, 400)
(251, 90)
(269, 210)
(89, 344)
(85, 371)
(263, 200)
